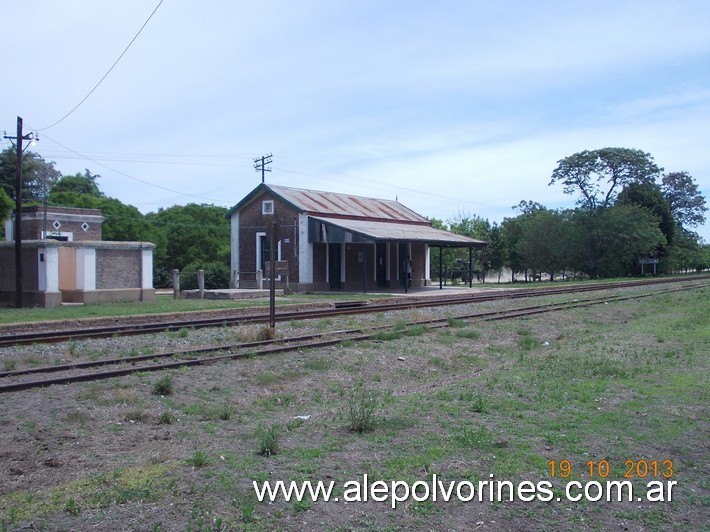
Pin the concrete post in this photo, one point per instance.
(176, 284)
(260, 279)
(201, 283)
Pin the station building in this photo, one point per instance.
(330, 241)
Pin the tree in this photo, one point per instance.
(79, 184)
(540, 242)
(476, 227)
(6, 206)
(528, 207)
(511, 233)
(196, 234)
(599, 175)
(122, 222)
(686, 203)
(650, 197)
(614, 239)
(38, 175)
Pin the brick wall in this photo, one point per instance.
(118, 268)
(29, 269)
(84, 224)
(252, 221)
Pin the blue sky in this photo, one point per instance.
(451, 107)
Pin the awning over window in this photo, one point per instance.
(336, 230)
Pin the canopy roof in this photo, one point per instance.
(368, 231)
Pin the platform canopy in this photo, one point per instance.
(338, 230)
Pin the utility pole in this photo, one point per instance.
(18, 207)
(260, 164)
(272, 274)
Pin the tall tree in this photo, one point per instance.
(197, 234)
(38, 175)
(121, 222)
(650, 197)
(540, 242)
(79, 184)
(598, 175)
(615, 238)
(687, 204)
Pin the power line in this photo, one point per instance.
(107, 72)
(130, 176)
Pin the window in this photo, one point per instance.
(267, 207)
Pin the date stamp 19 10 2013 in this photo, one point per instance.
(632, 469)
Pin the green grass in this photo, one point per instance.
(163, 304)
(623, 381)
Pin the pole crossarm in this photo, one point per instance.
(260, 164)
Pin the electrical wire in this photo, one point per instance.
(132, 177)
(107, 72)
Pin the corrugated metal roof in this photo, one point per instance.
(391, 231)
(331, 203)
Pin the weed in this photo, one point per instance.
(9, 364)
(386, 336)
(226, 412)
(71, 507)
(275, 400)
(324, 324)
(416, 330)
(455, 322)
(266, 333)
(73, 348)
(294, 424)
(438, 362)
(268, 439)
(264, 379)
(136, 416)
(469, 335)
(362, 406)
(477, 401)
(199, 458)
(163, 386)
(318, 364)
(247, 507)
(302, 506)
(78, 417)
(166, 418)
(527, 342)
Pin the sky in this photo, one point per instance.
(454, 108)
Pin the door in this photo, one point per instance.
(403, 255)
(381, 264)
(334, 266)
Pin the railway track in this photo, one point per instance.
(12, 381)
(343, 308)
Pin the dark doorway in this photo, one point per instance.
(334, 266)
(381, 265)
(403, 254)
(265, 245)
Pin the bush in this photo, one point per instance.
(268, 439)
(362, 407)
(217, 275)
(163, 386)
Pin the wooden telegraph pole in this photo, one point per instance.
(260, 164)
(18, 208)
